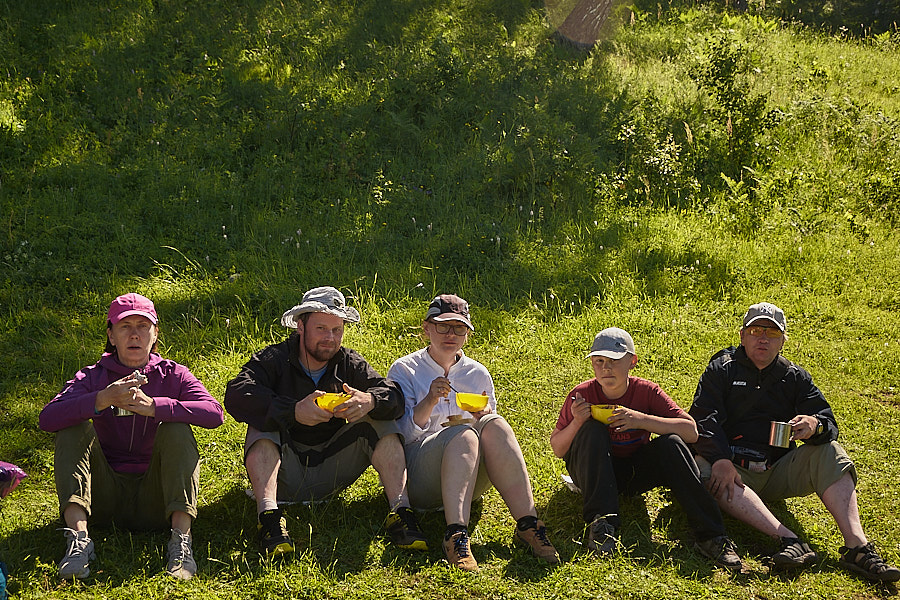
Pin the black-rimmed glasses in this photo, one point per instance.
(443, 328)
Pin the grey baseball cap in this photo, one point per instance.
(325, 299)
(765, 310)
(612, 342)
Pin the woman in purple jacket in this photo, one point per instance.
(125, 452)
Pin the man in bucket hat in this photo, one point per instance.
(744, 390)
(299, 448)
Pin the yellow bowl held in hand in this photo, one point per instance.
(472, 403)
(603, 412)
(330, 400)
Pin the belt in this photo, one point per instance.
(756, 466)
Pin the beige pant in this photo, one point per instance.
(801, 472)
(423, 464)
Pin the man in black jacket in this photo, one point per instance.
(300, 449)
(741, 392)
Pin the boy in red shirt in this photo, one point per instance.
(606, 459)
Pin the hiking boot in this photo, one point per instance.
(180, 556)
(602, 539)
(456, 549)
(272, 533)
(721, 551)
(794, 554)
(865, 561)
(79, 553)
(404, 531)
(536, 538)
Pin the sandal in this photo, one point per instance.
(865, 561)
(794, 554)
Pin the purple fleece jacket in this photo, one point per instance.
(127, 442)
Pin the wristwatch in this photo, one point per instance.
(819, 427)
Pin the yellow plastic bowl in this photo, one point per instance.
(329, 400)
(471, 402)
(603, 412)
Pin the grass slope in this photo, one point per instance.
(223, 157)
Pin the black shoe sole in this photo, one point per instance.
(889, 577)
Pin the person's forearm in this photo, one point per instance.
(422, 411)
(561, 439)
(686, 429)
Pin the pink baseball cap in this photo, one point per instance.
(131, 304)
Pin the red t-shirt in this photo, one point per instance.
(642, 395)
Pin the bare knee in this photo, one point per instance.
(465, 442)
(389, 447)
(262, 455)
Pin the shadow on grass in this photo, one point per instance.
(233, 150)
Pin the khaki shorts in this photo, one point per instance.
(312, 473)
(801, 472)
(423, 463)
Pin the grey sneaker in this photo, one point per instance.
(721, 550)
(181, 557)
(602, 538)
(79, 554)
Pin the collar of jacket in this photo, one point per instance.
(776, 368)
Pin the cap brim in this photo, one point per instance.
(607, 354)
(289, 318)
(453, 317)
(129, 313)
(764, 318)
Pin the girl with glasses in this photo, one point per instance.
(454, 455)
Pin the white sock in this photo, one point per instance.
(265, 504)
(399, 501)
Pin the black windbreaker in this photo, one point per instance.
(735, 402)
(264, 393)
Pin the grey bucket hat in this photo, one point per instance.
(325, 299)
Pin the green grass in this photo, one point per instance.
(222, 158)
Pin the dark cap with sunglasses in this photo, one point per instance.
(448, 307)
(765, 311)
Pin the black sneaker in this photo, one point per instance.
(272, 534)
(794, 554)
(865, 561)
(404, 531)
(721, 550)
(602, 539)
